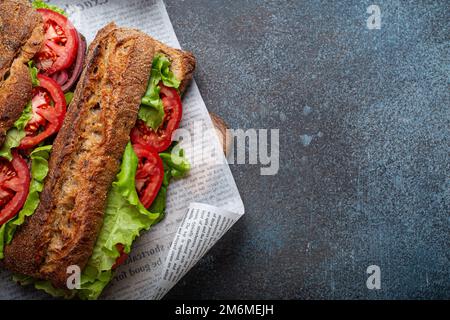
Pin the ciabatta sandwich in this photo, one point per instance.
(110, 165)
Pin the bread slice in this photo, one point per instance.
(21, 36)
(87, 152)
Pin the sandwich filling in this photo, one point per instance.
(41, 118)
(161, 110)
(62, 54)
(137, 198)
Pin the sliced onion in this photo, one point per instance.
(60, 77)
(75, 70)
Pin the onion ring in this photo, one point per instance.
(75, 70)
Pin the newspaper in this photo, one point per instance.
(200, 208)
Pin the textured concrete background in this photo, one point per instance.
(364, 142)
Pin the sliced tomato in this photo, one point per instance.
(149, 174)
(49, 108)
(122, 258)
(160, 139)
(60, 44)
(14, 186)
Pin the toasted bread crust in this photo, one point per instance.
(21, 36)
(85, 158)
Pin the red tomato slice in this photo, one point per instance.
(122, 258)
(49, 108)
(162, 138)
(60, 45)
(149, 174)
(14, 186)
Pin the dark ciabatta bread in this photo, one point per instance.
(87, 152)
(85, 158)
(21, 36)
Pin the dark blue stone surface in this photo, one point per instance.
(364, 144)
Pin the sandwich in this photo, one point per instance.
(32, 101)
(110, 166)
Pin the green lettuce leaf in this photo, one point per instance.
(16, 133)
(69, 97)
(34, 73)
(23, 279)
(175, 166)
(12, 140)
(42, 285)
(26, 115)
(162, 66)
(38, 4)
(39, 170)
(152, 109)
(175, 163)
(51, 290)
